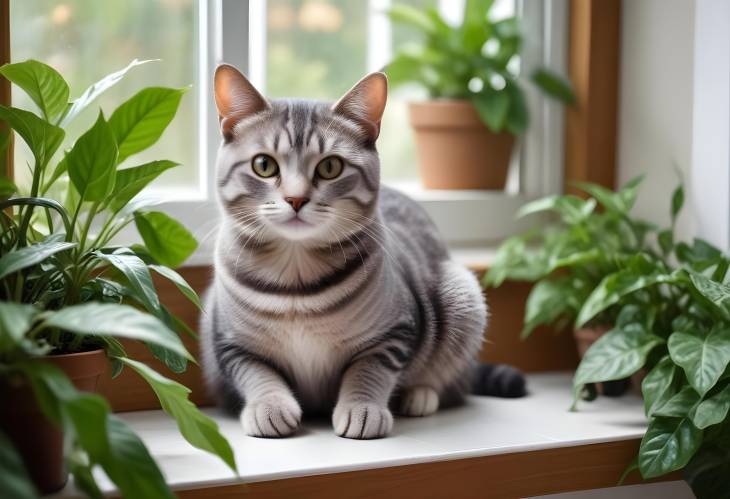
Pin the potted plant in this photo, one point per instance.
(673, 322)
(68, 293)
(465, 132)
(569, 259)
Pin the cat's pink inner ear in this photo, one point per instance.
(365, 102)
(235, 97)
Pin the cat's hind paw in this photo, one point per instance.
(362, 420)
(419, 401)
(271, 417)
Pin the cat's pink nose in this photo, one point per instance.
(297, 203)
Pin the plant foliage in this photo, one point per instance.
(66, 287)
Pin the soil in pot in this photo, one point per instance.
(37, 440)
(584, 338)
(455, 149)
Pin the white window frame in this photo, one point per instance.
(465, 218)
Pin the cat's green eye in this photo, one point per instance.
(330, 168)
(265, 166)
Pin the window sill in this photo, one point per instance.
(485, 428)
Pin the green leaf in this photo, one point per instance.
(554, 85)
(42, 138)
(15, 320)
(179, 282)
(95, 90)
(197, 428)
(130, 465)
(677, 201)
(700, 256)
(492, 107)
(668, 445)
(43, 84)
(716, 292)
(122, 321)
(572, 209)
(475, 23)
(7, 188)
(546, 302)
(703, 357)
(666, 241)
(14, 480)
(411, 16)
(92, 161)
(139, 277)
(708, 472)
(713, 410)
(680, 405)
(657, 386)
(140, 121)
(167, 240)
(31, 255)
(131, 181)
(517, 116)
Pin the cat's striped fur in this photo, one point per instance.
(350, 303)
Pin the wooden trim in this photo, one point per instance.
(6, 162)
(504, 476)
(591, 126)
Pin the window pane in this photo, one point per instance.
(87, 39)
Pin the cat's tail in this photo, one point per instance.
(498, 380)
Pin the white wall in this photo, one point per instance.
(656, 95)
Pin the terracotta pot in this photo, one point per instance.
(455, 149)
(38, 441)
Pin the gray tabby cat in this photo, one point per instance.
(331, 291)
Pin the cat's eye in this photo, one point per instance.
(265, 166)
(330, 168)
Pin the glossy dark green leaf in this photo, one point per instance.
(681, 404)
(7, 188)
(554, 85)
(197, 428)
(16, 260)
(167, 240)
(139, 122)
(713, 410)
(15, 320)
(668, 445)
(15, 483)
(658, 385)
(546, 302)
(492, 107)
(572, 209)
(92, 162)
(703, 356)
(42, 138)
(116, 320)
(138, 276)
(517, 116)
(179, 282)
(699, 256)
(677, 201)
(716, 292)
(474, 24)
(666, 241)
(131, 181)
(43, 84)
(708, 472)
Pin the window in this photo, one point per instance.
(307, 48)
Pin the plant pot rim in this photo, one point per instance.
(89, 353)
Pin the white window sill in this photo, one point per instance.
(485, 426)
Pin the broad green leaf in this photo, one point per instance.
(703, 357)
(514, 261)
(572, 209)
(197, 428)
(14, 480)
(42, 138)
(130, 465)
(83, 477)
(404, 68)
(7, 188)
(131, 181)
(15, 320)
(61, 168)
(517, 115)
(713, 410)
(92, 162)
(546, 302)
(474, 25)
(677, 201)
(140, 121)
(99, 319)
(668, 445)
(31, 255)
(681, 404)
(179, 282)
(666, 241)
(43, 84)
(554, 85)
(700, 256)
(708, 472)
(95, 90)
(716, 292)
(139, 277)
(411, 16)
(492, 107)
(657, 386)
(167, 240)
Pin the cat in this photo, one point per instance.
(331, 293)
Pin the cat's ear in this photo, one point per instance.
(235, 97)
(365, 103)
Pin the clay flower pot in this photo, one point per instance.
(455, 149)
(36, 439)
(584, 338)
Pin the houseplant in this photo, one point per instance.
(568, 260)
(471, 74)
(68, 292)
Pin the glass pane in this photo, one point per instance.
(87, 39)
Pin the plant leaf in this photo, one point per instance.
(554, 85)
(546, 302)
(31, 255)
(140, 121)
(179, 282)
(668, 445)
(131, 181)
(716, 292)
(43, 84)
(167, 240)
(680, 405)
(15, 483)
(657, 386)
(703, 357)
(7, 188)
(139, 277)
(492, 107)
(15, 320)
(197, 428)
(677, 202)
(92, 160)
(518, 115)
(713, 410)
(42, 138)
(411, 16)
(475, 23)
(98, 319)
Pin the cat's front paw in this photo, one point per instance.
(272, 416)
(362, 420)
